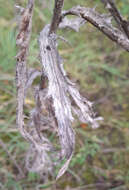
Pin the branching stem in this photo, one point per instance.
(101, 23)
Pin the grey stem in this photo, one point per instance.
(56, 16)
(22, 41)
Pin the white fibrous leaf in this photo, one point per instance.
(73, 24)
(63, 92)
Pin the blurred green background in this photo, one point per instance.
(101, 69)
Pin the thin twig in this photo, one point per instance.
(112, 150)
(101, 185)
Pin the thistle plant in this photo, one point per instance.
(57, 100)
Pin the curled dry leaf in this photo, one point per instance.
(63, 92)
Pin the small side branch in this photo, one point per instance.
(56, 16)
(101, 22)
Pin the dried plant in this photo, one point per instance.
(57, 100)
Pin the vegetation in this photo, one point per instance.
(101, 69)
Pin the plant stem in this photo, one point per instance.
(56, 16)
